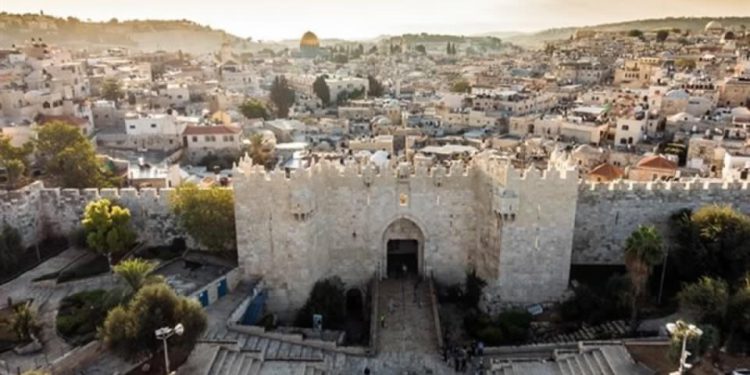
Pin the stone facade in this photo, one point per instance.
(608, 213)
(336, 220)
(39, 212)
(521, 230)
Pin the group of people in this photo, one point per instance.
(462, 357)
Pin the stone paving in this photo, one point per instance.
(409, 323)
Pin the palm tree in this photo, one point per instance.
(24, 322)
(643, 250)
(136, 273)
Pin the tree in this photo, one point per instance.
(712, 241)
(68, 157)
(207, 214)
(321, 89)
(136, 273)
(662, 35)
(327, 298)
(258, 152)
(14, 169)
(112, 90)
(708, 297)
(421, 49)
(281, 96)
(685, 64)
(635, 34)
(738, 319)
(461, 86)
(107, 227)
(24, 322)
(129, 330)
(643, 250)
(253, 109)
(14, 159)
(376, 88)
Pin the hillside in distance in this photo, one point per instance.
(149, 35)
(692, 24)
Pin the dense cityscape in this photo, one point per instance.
(178, 199)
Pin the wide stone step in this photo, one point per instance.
(217, 363)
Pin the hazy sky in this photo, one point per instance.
(281, 19)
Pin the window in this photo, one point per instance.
(625, 127)
(153, 126)
(131, 126)
(195, 139)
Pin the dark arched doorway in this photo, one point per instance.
(404, 242)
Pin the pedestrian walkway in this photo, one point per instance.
(409, 324)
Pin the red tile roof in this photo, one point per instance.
(208, 130)
(607, 172)
(657, 162)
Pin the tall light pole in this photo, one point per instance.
(164, 334)
(680, 329)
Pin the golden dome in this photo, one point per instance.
(309, 40)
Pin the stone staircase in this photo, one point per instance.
(232, 362)
(410, 326)
(274, 350)
(609, 330)
(603, 360)
(313, 370)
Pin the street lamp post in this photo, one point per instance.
(686, 331)
(164, 334)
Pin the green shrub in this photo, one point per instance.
(491, 336)
(327, 298)
(81, 314)
(515, 325)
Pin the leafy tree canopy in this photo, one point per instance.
(207, 215)
(712, 241)
(107, 227)
(253, 109)
(69, 158)
(461, 86)
(112, 90)
(129, 330)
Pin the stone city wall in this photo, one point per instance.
(608, 213)
(334, 220)
(39, 212)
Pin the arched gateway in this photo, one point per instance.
(403, 244)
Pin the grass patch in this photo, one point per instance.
(80, 315)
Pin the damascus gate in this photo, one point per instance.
(359, 222)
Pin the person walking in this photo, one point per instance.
(382, 320)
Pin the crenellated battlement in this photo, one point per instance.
(246, 171)
(696, 185)
(35, 209)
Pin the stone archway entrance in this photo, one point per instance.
(403, 241)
